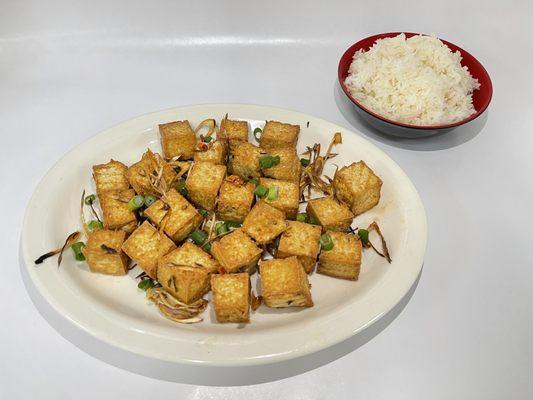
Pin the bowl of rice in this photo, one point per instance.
(413, 85)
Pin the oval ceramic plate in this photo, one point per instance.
(114, 310)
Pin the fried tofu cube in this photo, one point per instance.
(330, 214)
(203, 183)
(289, 167)
(301, 240)
(245, 161)
(110, 176)
(344, 259)
(115, 211)
(264, 223)
(103, 252)
(288, 199)
(284, 283)
(235, 199)
(357, 186)
(277, 135)
(231, 297)
(146, 245)
(233, 132)
(176, 215)
(143, 174)
(216, 153)
(236, 252)
(178, 139)
(190, 255)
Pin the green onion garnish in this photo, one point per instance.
(207, 247)
(257, 131)
(326, 242)
(301, 217)
(203, 213)
(221, 228)
(207, 139)
(180, 187)
(149, 200)
(273, 193)
(266, 162)
(305, 162)
(136, 202)
(89, 199)
(312, 220)
(76, 248)
(363, 235)
(254, 181)
(261, 191)
(145, 284)
(94, 224)
(198, 236)
(233, 224)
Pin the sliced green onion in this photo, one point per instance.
(233, 224)
(273, 192)
(207, 247)
(95, 225)
(326, 242)
(198, 236)
(312, 220)
(149, 200)
(136, 202)
(301, 217)
(261, 191)
(257, 131)
(363, 235)
(89, 199)
(268, 161)
(76, 248)
(203, 213)
(180, 187)
(145, 284)
(207, 139)
(254, 181)
(305, 162)
(221, 228)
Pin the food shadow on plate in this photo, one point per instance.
(440, 141)
(205, 375)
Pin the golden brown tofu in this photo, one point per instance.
(289, 167)
(233, 132)
(176, 216)
(284, 283)
(187, 284)
(177, 140)
(231, 297)
(115, 211)
(288, 198)
(216, 153)
(245, 161)
(264, 223)
(330, 214)
(110, 176)
(344, 259)
(146, 245)
(190, 255)
(236, 252)
(277, 135)
(203, 183)
(142, 175)
(103, 252)
(235, 199)
(358, 187)
(301, 240)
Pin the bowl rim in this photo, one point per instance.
(410, 126)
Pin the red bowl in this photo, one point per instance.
(481, 97)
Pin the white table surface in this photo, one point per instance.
(69, 70)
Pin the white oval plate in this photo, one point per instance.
(115, 311)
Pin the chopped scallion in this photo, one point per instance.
(233, 224)
(221, 228)
(198, 236)
(89, 199)
(203, 213)
(180, 187)
(273, 192)
(76, 248)
(305, 162)
(326, 242)
(149, 200)
(363, 235)
(136, 202)
(95, 225)
(207, 139)
(261, 191)
(266, 162)
(312, 220)
(145, 284)
(257, 131)
(301, 217)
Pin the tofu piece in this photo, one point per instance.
(187, 284)
(203, 183)
(150, 164)
(177, 217)
(330, 214)
(264, 223)
(231, 297)
(190, 255)
(103, 252)
(289, 167)
(277, 135)
(216, 153)
(344, 259)
(233, 132)
(177, 139)
(301, 240)
(284, 283)
(358, 187)
(110, 176)
(235, 199)
(146, 245)
(245, 161)
(115, 211)
(288, 199)
(236, 252)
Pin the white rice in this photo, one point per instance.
(416, 81)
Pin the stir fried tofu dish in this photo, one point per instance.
(230, 217)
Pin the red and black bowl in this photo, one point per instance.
(481, 97)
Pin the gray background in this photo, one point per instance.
(69, 70)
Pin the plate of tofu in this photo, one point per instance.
(224, 235)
